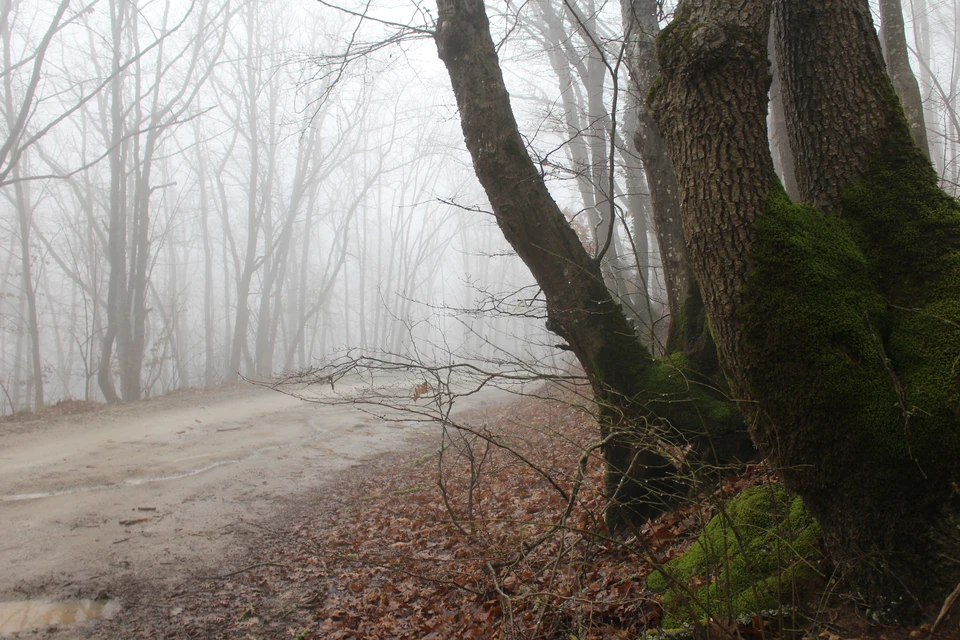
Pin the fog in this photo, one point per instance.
(198, 191)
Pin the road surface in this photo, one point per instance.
(158, 489)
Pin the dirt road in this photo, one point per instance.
(154, 490)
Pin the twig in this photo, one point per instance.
(239, 571)
(406, 572)
(947, 605)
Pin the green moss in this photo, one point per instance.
(674, 389)
(852, 335)
(815, 320)
(673, 40)
(696, 409)
(751, 557)
(684, 407)
(911, 231)
(866, 305)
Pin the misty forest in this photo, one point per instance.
(729, 225)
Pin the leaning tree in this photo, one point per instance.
(837, 321)
(633, 391)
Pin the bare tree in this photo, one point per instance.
(18, 105)
(136, 127)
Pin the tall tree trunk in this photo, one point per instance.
(629, 386)
(209, 332)
(782, 153)
(814, 95)
(718, 215)
(24, 209)
(689, 332)
(908, 229)
(894, 36)
(24, 215)
(117, 227)
(639, 300)
(251, 263)
(641, 23)
(921, 32)
(838, 333)
(579, 307)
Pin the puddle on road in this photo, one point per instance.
(31, 614)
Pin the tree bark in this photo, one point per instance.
(837, 332)
(712, 115)
(642, 26)
(820, 47)
(908, 229)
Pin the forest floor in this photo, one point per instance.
(504, 545)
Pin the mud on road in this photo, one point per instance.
(155, 491)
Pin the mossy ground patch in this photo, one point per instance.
(759, 552)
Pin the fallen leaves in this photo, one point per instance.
(477, 540)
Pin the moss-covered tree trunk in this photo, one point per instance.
(838, 324)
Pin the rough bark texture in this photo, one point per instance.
(820, 46)
(904, 439)
(838, 333)
(690, 344)
(711, 106)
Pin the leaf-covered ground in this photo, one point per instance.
(508, 543)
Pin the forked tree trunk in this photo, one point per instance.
(838, 332)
